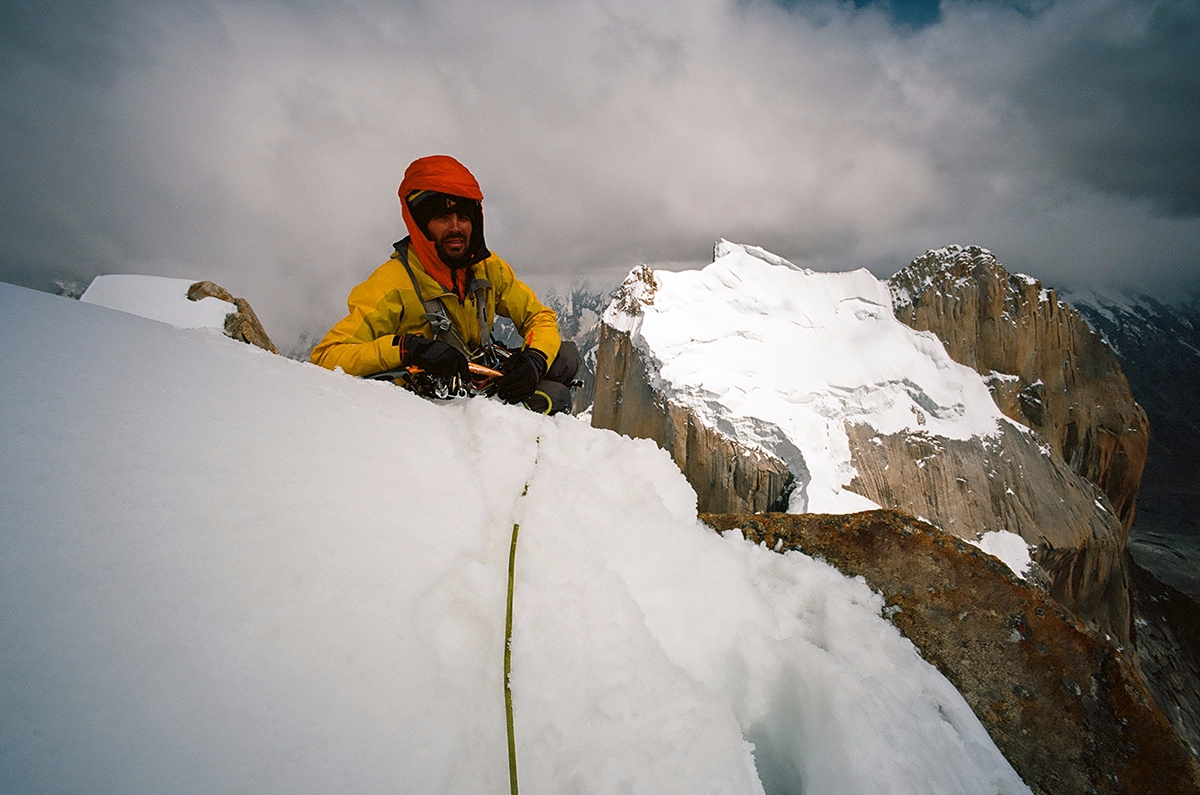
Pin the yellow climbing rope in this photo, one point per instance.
(508, 704)
(508, 701)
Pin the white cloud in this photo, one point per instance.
(260, 145)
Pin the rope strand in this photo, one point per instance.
(508, 703)
(508, 621)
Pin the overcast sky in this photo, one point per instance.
(259, 143)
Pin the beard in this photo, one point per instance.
(454, 261)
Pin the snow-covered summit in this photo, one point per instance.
(724, 247)
(784, 358)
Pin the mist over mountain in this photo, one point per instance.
(260, 143)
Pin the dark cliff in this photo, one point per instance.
(1157, 344)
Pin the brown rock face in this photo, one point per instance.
(1047, 368)
(242, 325)
(1062, 704)
(968, 488)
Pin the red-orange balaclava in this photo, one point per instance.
(443, 174)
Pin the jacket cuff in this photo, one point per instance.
(542, 358)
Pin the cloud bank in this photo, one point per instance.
(259, 143)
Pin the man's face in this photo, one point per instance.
(451, 233)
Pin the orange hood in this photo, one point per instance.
(444, 174)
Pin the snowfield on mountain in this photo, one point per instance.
(226, 571)
(787, 360)
(784, 357)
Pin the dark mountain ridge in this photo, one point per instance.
(1158, 345)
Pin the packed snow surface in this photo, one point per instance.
(225, 571)
(158, 298)
(783, 357)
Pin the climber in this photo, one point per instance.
(430, 307)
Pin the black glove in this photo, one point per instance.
(521, 373)
(433, 356)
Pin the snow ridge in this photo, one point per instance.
(207, 562)
(158, 298)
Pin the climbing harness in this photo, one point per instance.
(482, 363)
(428, 385)
(438, 319)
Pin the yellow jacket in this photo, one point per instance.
(386, 305)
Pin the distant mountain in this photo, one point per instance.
(1158, 345)
(579, 314)
(1046, 367)
(1159, 348)
(780, 388)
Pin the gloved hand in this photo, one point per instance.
(433, 356)
(521, 373)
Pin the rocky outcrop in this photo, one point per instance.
(1157, 345)
(1063, 705)
(728, 476)
(1046, 367)
(968, 487)
(242, 325)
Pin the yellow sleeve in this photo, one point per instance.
(361, 342)
(536, 322)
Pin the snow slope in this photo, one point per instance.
(158, 298)
(225, 571)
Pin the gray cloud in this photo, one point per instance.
(259, 144)
(1112, 100)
